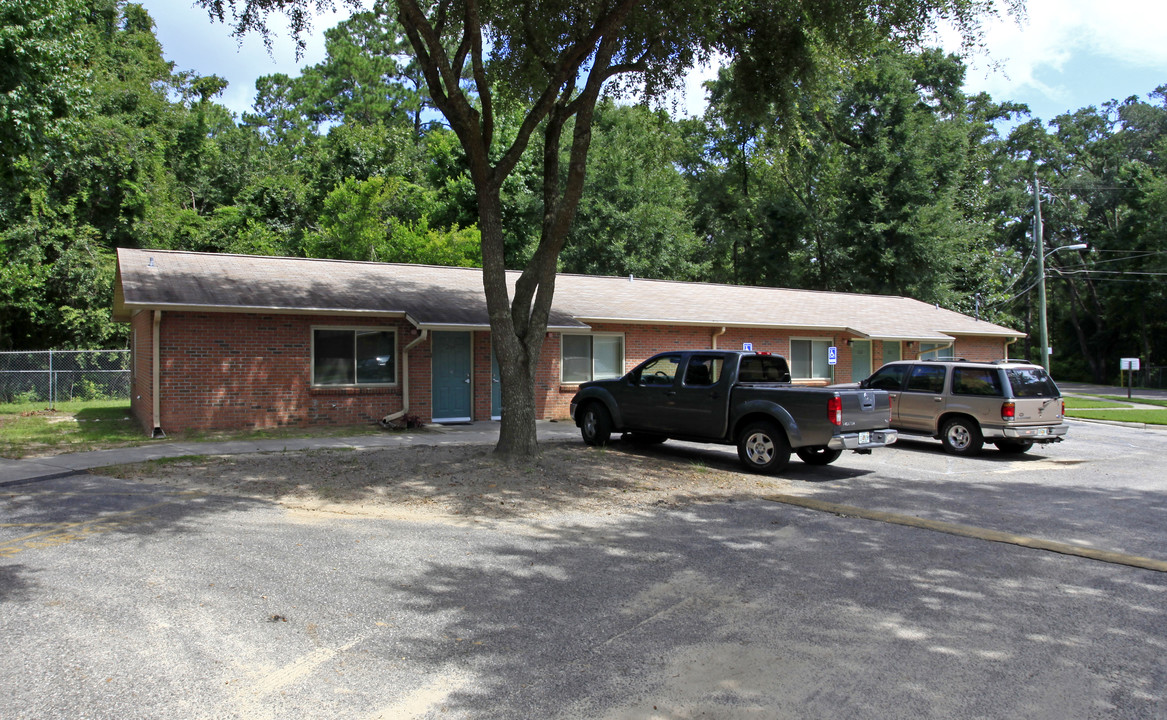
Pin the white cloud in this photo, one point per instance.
(1056, 31)
(195, 42)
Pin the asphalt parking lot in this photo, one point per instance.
(121, 599)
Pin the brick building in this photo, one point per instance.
(233, 341)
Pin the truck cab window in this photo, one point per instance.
(703, 371)
(660, 371)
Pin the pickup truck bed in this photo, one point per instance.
(734, 398)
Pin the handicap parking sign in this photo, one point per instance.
(832, 355)
(747, 347)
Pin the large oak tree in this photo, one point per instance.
(550, 61)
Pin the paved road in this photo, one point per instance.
(124, 600)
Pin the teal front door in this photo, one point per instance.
(451, 376)
(860, 360)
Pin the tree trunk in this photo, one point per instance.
(517, 344)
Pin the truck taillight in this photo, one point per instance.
(1008, 411)
(835, 410)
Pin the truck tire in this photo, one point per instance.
(762, 447)
(962, 436)
(596, 424)
(819, 455)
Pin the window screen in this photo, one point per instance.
(354, 357)
(808, 359)
(592, 357)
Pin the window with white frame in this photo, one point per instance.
(592, 357)
(808, 359)
(354, 356)
(931, 351)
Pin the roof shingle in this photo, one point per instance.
(437, 297)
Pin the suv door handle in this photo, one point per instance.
(938, 399)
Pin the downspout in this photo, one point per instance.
(405, 379)
(713, 340)
(1007, 344)
(156, 378)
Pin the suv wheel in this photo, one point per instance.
(962, 436)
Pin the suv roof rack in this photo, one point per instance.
(1014, 360)
(944, 359)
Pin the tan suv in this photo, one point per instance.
(1011, 403)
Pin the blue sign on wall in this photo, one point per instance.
(747, 347)
(832, 355)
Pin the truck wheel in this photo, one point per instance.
(763, 448)
(1014, 447)
(962, 436)
(819, 455)
(596, 424)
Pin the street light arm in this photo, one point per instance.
(1075, 246)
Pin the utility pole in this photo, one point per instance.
(1039, 250)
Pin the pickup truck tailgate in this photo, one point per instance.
(864, 410)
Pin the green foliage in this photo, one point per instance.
(635, 213)
(387, 220)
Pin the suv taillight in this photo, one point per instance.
(1008, 411)
(835, 410)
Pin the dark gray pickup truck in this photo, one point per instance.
(730, 398)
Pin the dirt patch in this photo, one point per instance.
(462, 481)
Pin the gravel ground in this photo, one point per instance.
(460, 481)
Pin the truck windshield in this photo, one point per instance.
(1031, 383)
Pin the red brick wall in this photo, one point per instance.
(981, 349)
(222, 370)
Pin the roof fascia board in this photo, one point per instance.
(132, 308)
(464, 327)
(706, 323)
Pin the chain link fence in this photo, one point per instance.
(54, 376)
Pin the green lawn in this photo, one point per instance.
(1133, 415)
(1081, 403)
(31, 429)
(1141, 401)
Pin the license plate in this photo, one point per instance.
(864, 438)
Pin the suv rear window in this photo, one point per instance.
(1031, 382)
(976, 381)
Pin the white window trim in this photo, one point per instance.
(812, 340)
(355, 329)
(623, 354)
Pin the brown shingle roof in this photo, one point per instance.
(439, 297)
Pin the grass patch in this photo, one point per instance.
(30, 429)
(1133, 415)
(1141, 401)
(1080, 403)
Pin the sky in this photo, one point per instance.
(1065, 55)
